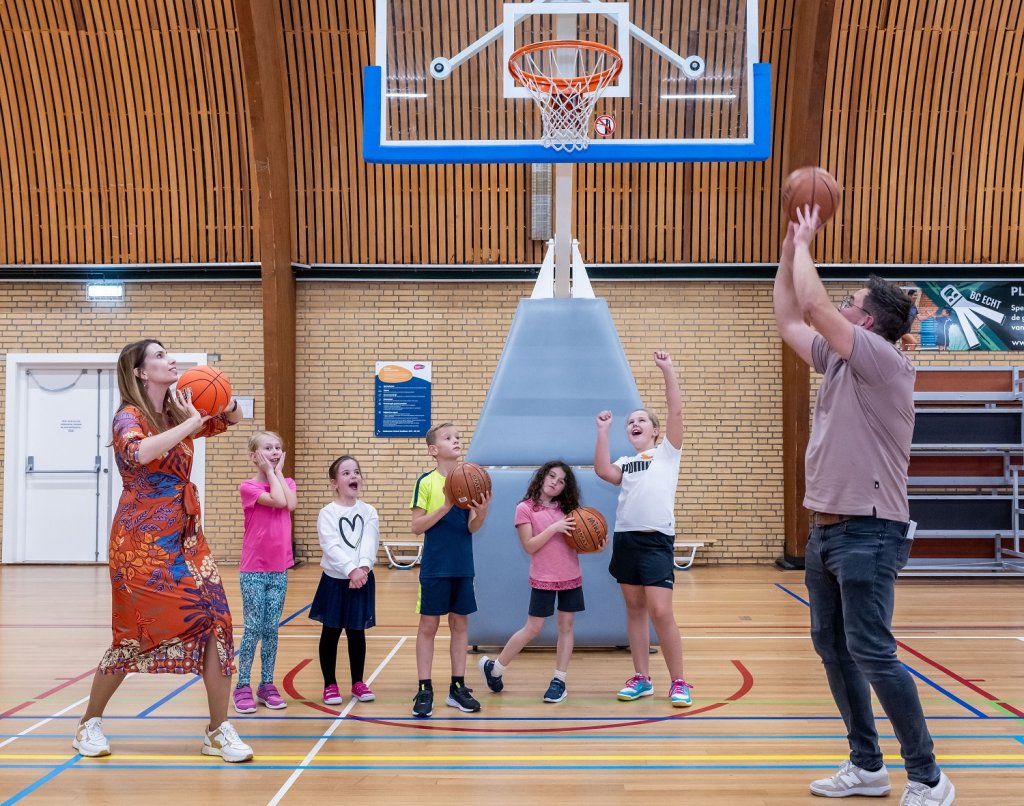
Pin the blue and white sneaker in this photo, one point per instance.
(556, 691)
(637, 686)
(679, 694)
(494, 682)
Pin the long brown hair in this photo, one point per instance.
(133, 390)
(567, 500)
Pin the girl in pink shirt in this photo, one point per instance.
(268, 499)
(555, 573)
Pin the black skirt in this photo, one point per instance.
(338, 606)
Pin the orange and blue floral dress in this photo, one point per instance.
(168, 598)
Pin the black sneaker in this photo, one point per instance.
(556, 691)
(423, 705)
(462, 698)
(495, 684)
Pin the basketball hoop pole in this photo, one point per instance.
(563, 228)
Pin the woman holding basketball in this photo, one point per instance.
(170, 613)
(644, 533)
(541, 519)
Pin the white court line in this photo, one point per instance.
(43, 722)
(333, 727)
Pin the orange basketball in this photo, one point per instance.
(211, 390)
(590, 530)
(811, 186)
(467, 483)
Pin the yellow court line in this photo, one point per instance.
(498, 758)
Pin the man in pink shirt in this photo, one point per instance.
(856, 466)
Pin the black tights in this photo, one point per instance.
(329, 637)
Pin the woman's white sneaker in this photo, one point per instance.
(90, 740)
(225, 742)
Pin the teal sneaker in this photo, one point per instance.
(636, 687)
(679, 694)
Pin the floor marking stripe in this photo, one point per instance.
(28, 790)
(327, 733)
(523, 757)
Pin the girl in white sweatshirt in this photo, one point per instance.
(349, 533)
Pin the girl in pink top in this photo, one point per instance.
(541, 520)
(268, 500)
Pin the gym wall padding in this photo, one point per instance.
(562, 364)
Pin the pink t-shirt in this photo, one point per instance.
(554, 566)
(267, 541)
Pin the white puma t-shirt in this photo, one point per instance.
(647, 498)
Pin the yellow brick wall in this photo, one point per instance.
(721, 336)
(224, 318)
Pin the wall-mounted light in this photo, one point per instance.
(104, 290)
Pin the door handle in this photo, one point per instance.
(30, 467)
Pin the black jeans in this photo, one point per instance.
(851, 570)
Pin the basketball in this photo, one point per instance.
(590, 530)
(811, 186)
(467, 483)
(211, 390)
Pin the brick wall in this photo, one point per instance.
(721, 336)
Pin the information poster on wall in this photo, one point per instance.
(968, 316)
(402, 399)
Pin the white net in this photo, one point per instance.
(566, 79)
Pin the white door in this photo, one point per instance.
(67, 465)
(61, 485)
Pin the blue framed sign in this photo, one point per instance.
(401, 399)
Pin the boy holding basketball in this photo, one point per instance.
(446, 570)
(857, 460)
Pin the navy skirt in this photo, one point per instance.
(336, 605)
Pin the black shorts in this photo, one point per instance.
(643, 558)
(442, 595)
(542, 602)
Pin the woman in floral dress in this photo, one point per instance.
(170, 614)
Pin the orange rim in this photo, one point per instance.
(565, 86)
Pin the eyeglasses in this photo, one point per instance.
(847, 302)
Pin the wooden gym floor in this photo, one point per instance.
(762, 724)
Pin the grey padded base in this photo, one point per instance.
(561, 365)
(503, 570)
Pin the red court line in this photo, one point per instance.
(289, 686)
(961, 680)
(746, 684)
(46, 694)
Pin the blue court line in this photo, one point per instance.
(296, 614)
(596, 766)
(396, 737)
(53, 773)
(141, 715)
(923, 678)
(470, 719)
(146, 712)
(196, 679)
(784, 589)
(949, 694)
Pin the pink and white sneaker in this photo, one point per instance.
(244, 703)
(267, 695)
(362, 692)
(332, 696)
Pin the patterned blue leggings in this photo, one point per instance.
(262, 604)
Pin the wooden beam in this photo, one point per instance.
(261, 43)
(802, 139)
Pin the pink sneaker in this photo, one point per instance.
(362, 692)
(332, 696)
(267, 695)
(244, 703)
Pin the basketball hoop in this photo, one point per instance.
(566, 78)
